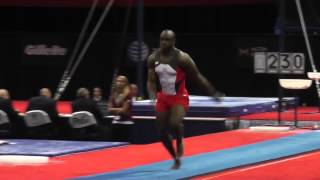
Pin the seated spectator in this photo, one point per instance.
(84, 103)
(135, 92)
(4, 94)
(119, 105)
(16, 125)
(97, 96)
(45, 103)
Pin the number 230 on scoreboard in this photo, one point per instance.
(279, 63)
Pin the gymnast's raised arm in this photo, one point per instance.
(195, 76)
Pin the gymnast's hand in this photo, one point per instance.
(218, 96)
(152, 101)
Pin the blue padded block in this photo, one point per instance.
(52, 147)
(204, 106)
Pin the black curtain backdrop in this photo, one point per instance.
(226, 60)
(214, 36)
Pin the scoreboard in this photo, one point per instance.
(279, 63)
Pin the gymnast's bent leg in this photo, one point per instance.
(178, 112)
(162, 120)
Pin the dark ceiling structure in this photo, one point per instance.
(75, 3)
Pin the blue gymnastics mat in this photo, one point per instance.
(52, 147)
(220, 160)
(204, 106)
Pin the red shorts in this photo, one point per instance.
(166, 102)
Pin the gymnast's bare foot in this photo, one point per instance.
(177, 164)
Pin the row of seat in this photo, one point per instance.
(37, 119)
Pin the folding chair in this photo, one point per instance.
(39, 124)
(82, 124)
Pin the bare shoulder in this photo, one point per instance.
(185, 58)
(151, 59)
(152, 56)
